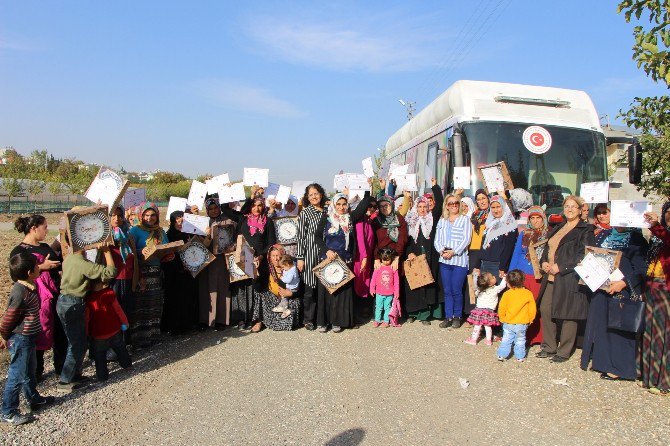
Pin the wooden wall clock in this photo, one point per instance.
(89, 228)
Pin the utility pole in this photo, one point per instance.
(410, 108)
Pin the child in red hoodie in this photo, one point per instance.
(385, 286)
(106, 323)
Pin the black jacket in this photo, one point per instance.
(570, 300)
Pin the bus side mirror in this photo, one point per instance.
(635, 163)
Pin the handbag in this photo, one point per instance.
(625, 314)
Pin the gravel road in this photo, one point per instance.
(367, 386)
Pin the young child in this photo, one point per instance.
(106, 324)
(516, 311)
(484, 313)
(291, 278)
(19, 327)
(385, 286)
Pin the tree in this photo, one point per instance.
(651, 115)
(12, 186)
(35, 187)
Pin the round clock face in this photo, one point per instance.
(287, 231)
(111, 179)
(194, 256)
(89, 228)
(333, 273)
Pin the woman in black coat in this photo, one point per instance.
(562, 300)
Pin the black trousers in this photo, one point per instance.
(100, 347)
(309, 299)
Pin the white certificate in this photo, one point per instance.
(195, 224)
(462, 177)
(397, 169)
(340, 182)
(271, 190)
(175, 204)
(406, 182)
(592, 271)
(256, 177)
(134, 197)
(368, 170)
(629, 214)
(298, 188)
(216, 183)
(106, 187)
(234, 192)
(596, 192)
(357, 181)
(197, 194)
(493, 178)
(283, 194)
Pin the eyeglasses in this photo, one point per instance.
(571, 206)
(453, 203)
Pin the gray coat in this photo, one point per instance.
(570, 300)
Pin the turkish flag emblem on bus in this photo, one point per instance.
(537, 139)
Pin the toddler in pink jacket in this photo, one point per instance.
(385, 287)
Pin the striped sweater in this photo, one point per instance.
(307, 248)
(455, 236)
(23, 312)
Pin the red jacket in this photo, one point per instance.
(105, 315)
(662, 233)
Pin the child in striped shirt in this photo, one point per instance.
(19, 327)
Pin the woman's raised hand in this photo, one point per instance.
(433, 182)
(651, 218)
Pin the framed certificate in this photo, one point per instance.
(160, 251)
(223, 237)
(291, 250)
(89, 228)
(535, 251)
(495, 177)
(286, 229)
(195, 256)
(608, 258)
(237, 274)
(333, 274)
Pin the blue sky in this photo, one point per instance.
(304, 88)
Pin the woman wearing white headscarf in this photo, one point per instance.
(499, 239)
(334, 237)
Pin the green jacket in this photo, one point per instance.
(78, 273)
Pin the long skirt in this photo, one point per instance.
(610, 351)
(215, 299)
(534, 332)
(336, 309)
(180, 312)
(245, 307)
(148, 308)
(273, 320)
(655, 353)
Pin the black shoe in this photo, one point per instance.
(446, 323)
(310, 326)
(558, 359)
(44, 402)
(456, 323)
(425, 322)
(81, 379)
(411, 320)
(219, 327)
(607, 377)
(544, 354)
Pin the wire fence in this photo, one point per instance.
(46, 206)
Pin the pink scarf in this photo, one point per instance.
(256, 223)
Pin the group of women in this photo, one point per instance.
(457, 235)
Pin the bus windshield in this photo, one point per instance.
(576, 156)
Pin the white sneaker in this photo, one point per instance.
(286, 313)
(277, 309)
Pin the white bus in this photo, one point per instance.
(475, 123)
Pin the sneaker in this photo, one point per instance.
(521, 360)
(558, 359)
(411, 319)
(41, 404)
(456, 323)
(310, 326)
(501, 359)
(16, 419)
(240, 325)
(285, 314)
(62, 387)
(470, 341)
(322, 329)
(488, 342)
(376, 324)
(446, 323)
(336, 329)
(385, 325)
(425, 322)
(496, 338)
(277, 309)
(544, 354)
